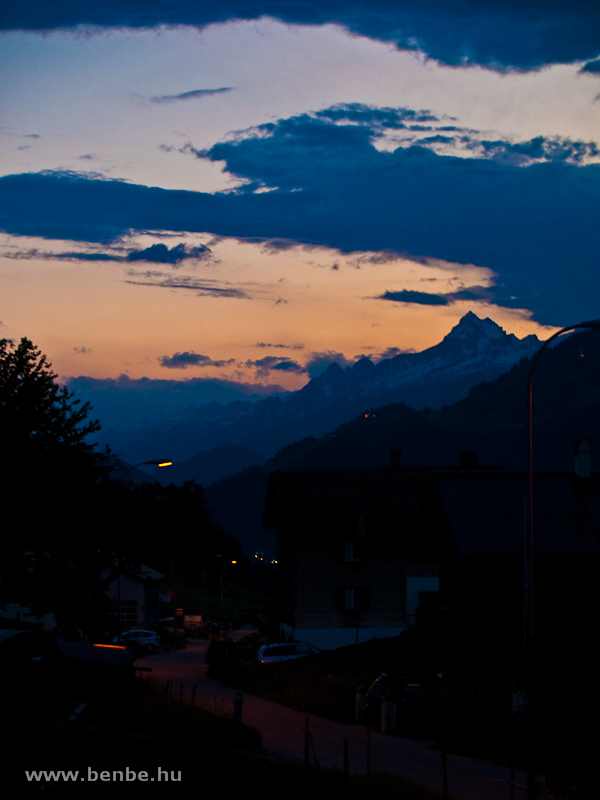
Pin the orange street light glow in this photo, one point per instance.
(166, 464)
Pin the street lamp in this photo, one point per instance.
(154, 463)
(529, 540)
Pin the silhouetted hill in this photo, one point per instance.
(491, 420)
(211, 465)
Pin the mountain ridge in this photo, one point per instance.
(475, 350)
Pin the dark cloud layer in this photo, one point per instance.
(521, 34)
(531, 219)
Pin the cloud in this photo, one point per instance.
(420, 298)
(264, 366)
(392, 352)
(191, 359)
(83, 350)
(160, 253)
(157, 253)
(377, 119)
(193, 95)
(85, 256)
(36, 253)
(284, 346)
(498, 34)
(478, 293)
(316, 363)
(524, 211)
(539, 149)
(592, 67)
(384, 257)
(482, 294)
(202, 288)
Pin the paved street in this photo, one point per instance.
(282, 732)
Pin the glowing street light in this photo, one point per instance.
(156, 462)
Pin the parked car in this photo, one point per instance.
(285, 651)
(148, 640)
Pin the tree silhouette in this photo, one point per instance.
(71, 523)
(40, 422)
(49, 471)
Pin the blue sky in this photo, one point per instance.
(247, 191)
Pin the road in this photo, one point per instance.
(283, 735)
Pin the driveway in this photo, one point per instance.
(283, 735)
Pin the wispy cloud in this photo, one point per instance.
(195, 94)
(202, 288)
(280, 346)
(156, 253)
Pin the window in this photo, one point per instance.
(352, 598)
(351, 550)
(129, 611)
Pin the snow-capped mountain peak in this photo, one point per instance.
(471, 325)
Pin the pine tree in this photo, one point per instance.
(41, 423)
(49, 471)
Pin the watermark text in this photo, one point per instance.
(125, 775)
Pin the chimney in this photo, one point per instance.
(583, 458)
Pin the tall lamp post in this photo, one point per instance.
(529, 541)
(154, 463)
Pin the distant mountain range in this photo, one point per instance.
(215, 439)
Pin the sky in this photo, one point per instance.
(248, 191)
